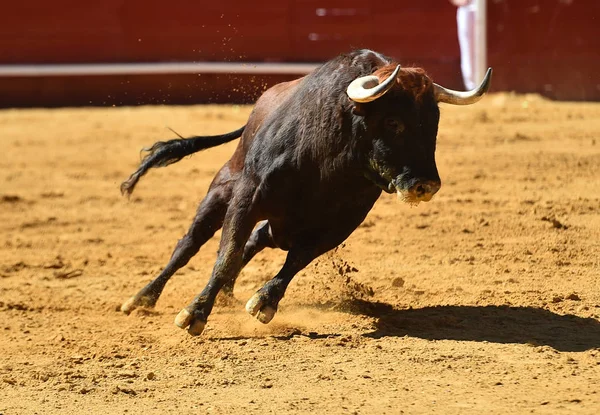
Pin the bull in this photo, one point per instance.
(313, 158)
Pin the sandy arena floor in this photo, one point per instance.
(485, 300)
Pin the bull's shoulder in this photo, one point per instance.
(269, 102)
(265, 107)
(275, 95)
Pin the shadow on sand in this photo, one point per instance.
(497, 324)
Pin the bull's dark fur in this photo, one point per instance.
(310, 165)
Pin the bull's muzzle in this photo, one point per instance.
(418, 191)
(424, 191)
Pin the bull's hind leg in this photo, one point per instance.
(208, 219)
(260, 239)
(238, 225)
(263, 304)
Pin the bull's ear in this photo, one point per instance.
(358, 109)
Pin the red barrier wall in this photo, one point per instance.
(68, 31)
(39, 31)
(546, 46)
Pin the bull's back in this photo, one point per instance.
(269, 101)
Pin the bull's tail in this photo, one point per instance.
(164, 153)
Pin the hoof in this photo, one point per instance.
(129, 305)
(185, 319)
(196, 328)
(266, 314)
(257, 307)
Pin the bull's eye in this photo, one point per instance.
(394, 125)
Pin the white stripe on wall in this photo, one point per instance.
(156, 68)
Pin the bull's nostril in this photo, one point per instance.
(420, 190)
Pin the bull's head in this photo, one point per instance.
(400, 116)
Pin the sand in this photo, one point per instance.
(484, 300)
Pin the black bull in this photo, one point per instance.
(313, 158)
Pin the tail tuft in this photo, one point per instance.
(165, 153)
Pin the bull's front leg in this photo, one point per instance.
(260, 239)
(238, 225)
(263, 304)
(209, 218)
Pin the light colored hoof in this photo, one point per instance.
(254, 304)
(266, 314)
(257, 308)
(196, 328)
(129, 305)
(183, 319)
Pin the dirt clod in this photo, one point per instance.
(398, 282)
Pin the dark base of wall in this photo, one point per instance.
(134, 90)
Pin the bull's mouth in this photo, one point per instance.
(380, 179)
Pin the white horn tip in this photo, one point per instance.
(486, 80)
(450, 96)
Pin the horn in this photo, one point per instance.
(463, 98)
(367, 88)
